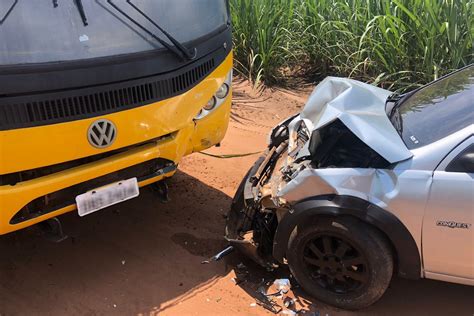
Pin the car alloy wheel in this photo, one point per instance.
(335, 264)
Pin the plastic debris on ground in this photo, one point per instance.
(268, 303)
(278, 297)
(273, 295)
(288, 301)
(218, 256)
(241, 274)
(282, 285)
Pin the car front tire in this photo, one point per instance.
(341, 261)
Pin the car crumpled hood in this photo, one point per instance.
(359, 106)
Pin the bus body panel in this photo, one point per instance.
(29, 148)
(52, 144)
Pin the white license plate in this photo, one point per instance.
(103, 197)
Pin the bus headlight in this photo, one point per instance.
(217, 99)
(211, 104)
(223, 91)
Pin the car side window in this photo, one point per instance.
(464, 162)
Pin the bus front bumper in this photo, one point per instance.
(150, 162)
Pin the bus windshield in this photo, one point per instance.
(35, 31)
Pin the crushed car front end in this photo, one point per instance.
(335, 158)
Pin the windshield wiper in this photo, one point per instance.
(80, 7)
(391, 103)
(179, 50)
(186, 52)
(396, 119)
(5, 17)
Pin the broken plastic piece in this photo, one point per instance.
(288, 301)
(283, 285)
(264, 292)
(241, 274)
(268, 303)
(219, 255)
(241, 266)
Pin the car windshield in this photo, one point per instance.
(436, 110)
(33, 31)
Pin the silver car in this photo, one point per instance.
(364, 184)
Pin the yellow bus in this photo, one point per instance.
(99, 98)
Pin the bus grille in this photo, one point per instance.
(57, 107)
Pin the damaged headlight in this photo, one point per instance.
(303, 133)
(217, 99)
(280, 133)
(300, 136)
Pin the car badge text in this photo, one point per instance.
(452, 224)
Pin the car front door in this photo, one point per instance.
(448, 224)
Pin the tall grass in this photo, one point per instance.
(396, 44)
(263, 36)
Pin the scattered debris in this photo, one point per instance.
(283, 285)
(241, 274)
(269, 294)
(219, 255)
(263, 291)
(270, 305)
(241, 266)
(253, 304)
(288, 301)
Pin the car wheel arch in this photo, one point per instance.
(406, 252)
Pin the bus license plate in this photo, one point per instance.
(103, 197)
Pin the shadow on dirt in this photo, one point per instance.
(145, 257)
(404, 297)
(128, 259)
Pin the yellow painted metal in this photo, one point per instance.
(29, 148)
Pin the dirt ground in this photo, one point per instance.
(144, 257)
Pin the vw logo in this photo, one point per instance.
(102, 133)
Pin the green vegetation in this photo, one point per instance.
(396, 44)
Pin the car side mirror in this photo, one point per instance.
(464, 162)
(467, 162)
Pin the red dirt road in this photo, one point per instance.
(144, 257)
